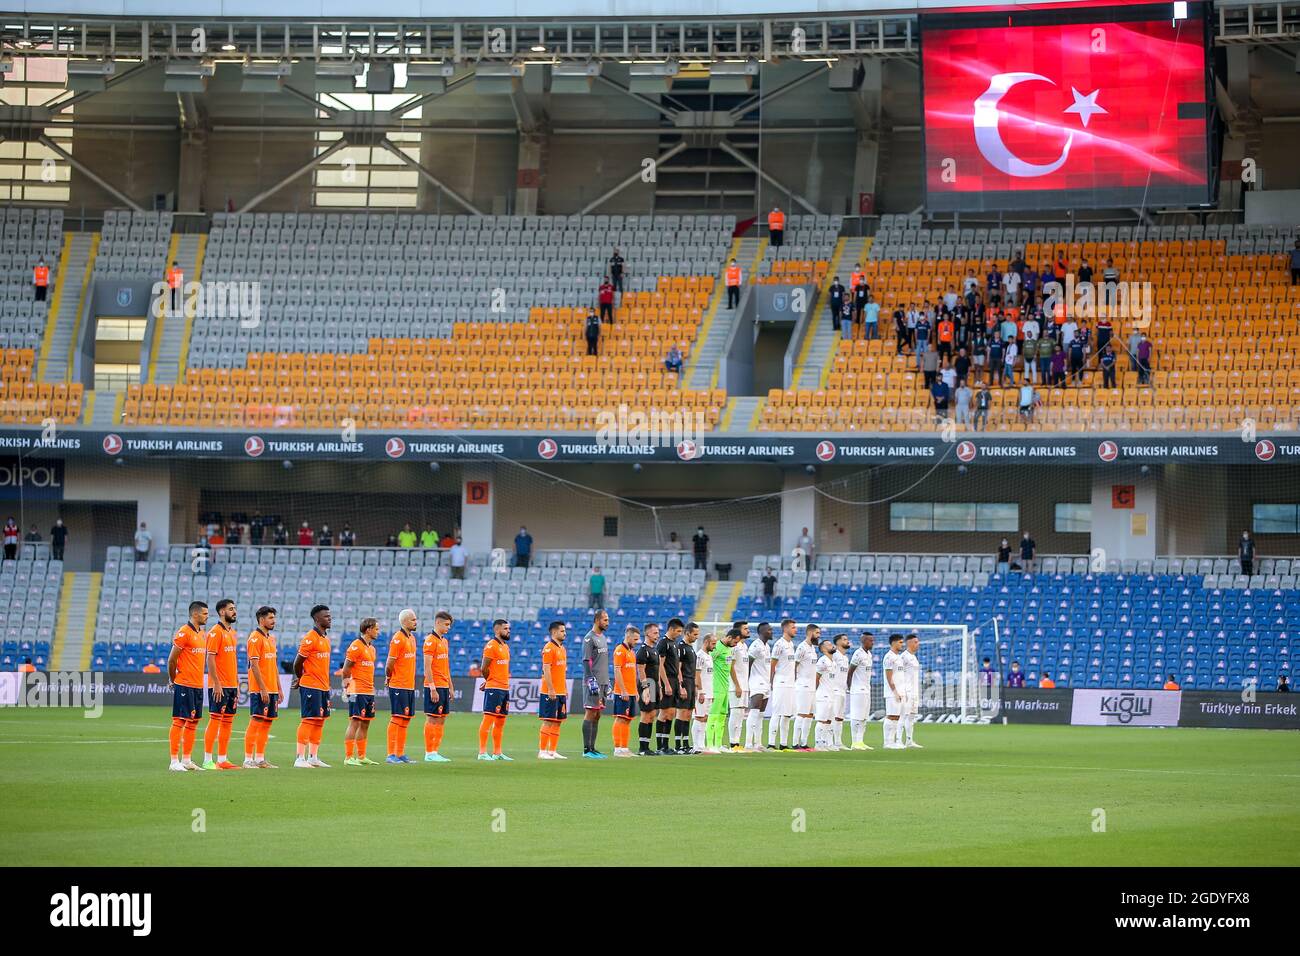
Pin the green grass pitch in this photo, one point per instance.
(82, 791)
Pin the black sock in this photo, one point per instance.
(586, 736)
(644, 731)
(661, 733)
(683, 741)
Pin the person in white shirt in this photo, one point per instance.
(841, 691)
(913, 677)
(895, 691)
(950, 299)
(760, 685)
(143, 542)
(781, 727)
(824, 674)
(805, 544)
(1011, 282)
(860, 665)
(1068, 331)
(739, 705)
(702, 649)
(458, 556)
(805, 684)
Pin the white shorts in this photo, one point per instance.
(840, 699)
(760, 687)
(825, 708)
(893, 705)
(860, 705)
(783, 701)
(702, 705)
(912, 704)
(803, 700)
(738, 703)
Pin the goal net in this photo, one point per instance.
(950, 686)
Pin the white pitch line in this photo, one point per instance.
(1037, 767)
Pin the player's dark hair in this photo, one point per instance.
(914, 636)
(675, 622)
(499, 621)
(443, 616)
(223, 604)
(734, 632)
(764, 626)
(554, 626)
(738, 624)
(895, 637)
(197, 606)
(366, 624)
(317, 609)
(691, 626)
(786, 621)
(812, 627)
(631, 629)
(264, 611)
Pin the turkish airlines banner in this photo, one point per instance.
(1066, 109)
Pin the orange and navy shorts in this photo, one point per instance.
(362, 706)
(496, 701)
(187, 702)
(437, 701)
(401, 701)
(267, 708)
(553, 707)
(314, 702)
(227, 703)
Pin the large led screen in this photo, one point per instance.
(1066, 109)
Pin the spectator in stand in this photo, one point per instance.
(326, 537)
(1104, 331)
(673, 543)
(1028, 548)
(27, 667)
(280, 535)
(988, 676)
(306, 536)
(616, 265)
(1107, 363)
(1016, 677)
(176, 283)
(700, 548)
(979, 350)
(1144, 360)
(1295, 264)
(458, 557)
(1110, 276)
(151, 668)
(1046, 682)
(256, 529)
(921, 337)
(939, 392)
(391, 542)
(347, 539)
(961, 366)
(846, 319)
(673, 360)
(1028, 402)
(447, 540)
(605, 299)
(1017, 262)
(1134, 340)
(592, 332)
(993, 285)
(871, 318)
(596, 589)
(1009, 357)
(58, 539)
(1085, 274)
(1076, 360)
(1246, 553)
(805, 544)
(769, 590)
(1051, 291)
(1170, 683)
(523, 547)
(1030, 292)
(12, 533)
(1062, 269)
(996, 364)
(983, 402)
(930, 366)
(733, 279)
(945, 333)
(1011, 283)
(407, 538)
(776, 228)
(1004, 556)
(962, 403)
(948, 375)
(143, 542)
(33, 536)
(837, 302)
(913, 317)
(900, 330)
(950, 299)
(428, 538)
(861, 294)
(1283, 685)
(1058, 366)
(40, 279)
(970, 283)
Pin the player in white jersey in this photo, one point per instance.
(841, 691)
(739, 705)
(760, 685)
(781, 726)
(860, 665)
(806, 655)
(824, 696)
(702, 649)
(913, 689)
(895, 691)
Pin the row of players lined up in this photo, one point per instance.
(692, 694)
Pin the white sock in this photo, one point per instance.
(734, 720)
(908, 723)
(697, 734)
(798, 732)
(755, 729)
(221, 758)
(889, 726)
(207, 757)
(789, 730)
(774, 730)
(837, 732)
(858, 730)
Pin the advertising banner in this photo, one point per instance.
(525, 693)
(1094, 707)
(1264, 711)
(1033, 706)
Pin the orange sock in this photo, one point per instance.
(392, 737)
(187, 744)
(555, 736)
(361, 748)
(174, 736)
(317, 731)
(619, 727)
(263, 735)
(250, 738)
(223, 734)
(304, 737)
(210, 733)
(498, 728)
(429, 746)
(347, 748)
(403, 728)
(437, 737)
(484, 728)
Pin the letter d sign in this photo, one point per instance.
(477, 492)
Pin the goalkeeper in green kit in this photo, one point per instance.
(725, 683)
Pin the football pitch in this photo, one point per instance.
(79, 791)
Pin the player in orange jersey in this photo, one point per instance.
(263, 690)
(311, 675)
(496, 691)
(625, 692)
(399, 679)
(359, 688)
(185, 672)
(437, 686)
(553, 707)
(223, 687)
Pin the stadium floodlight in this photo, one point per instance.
(497, 78)
(338, 76)
(380, 77)
(89, 76)
(733, 76)
(188, 76)
(427, 76)
(574, 77)
(652, 76)
(265, 76)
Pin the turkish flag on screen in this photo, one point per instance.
(1064, 107)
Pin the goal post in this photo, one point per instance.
(950, 686)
